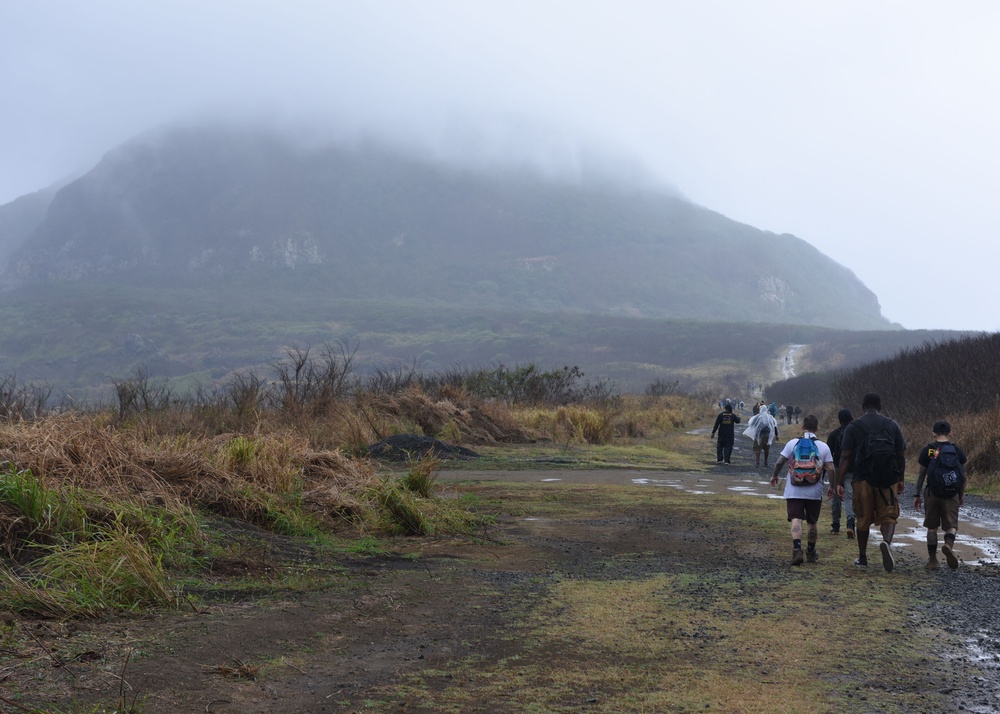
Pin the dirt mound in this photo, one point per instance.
(402, 447)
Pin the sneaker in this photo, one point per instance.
(812, 556)
(887, 562)
(931, 564)
(719, 461)
(797, 556)
(861, 562)
(850, 533)
(835, 530)
(949, 555)
(729, 462)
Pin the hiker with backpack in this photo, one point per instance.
(943, 464)
(873, 449)
(838, 504)
(725, 424)
(763, 429)
(808, 459)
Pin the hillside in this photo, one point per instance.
(193, 206)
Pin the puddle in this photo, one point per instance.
(977, 543)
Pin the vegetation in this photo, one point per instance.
(155, 499)
(78, 338)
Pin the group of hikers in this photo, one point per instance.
(860, 467)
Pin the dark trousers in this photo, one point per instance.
(724, 450)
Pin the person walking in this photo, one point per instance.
(838, 504)
(725, 425)
(797, 412)
(873, 449)
(943, 464)
(808, 460)
(789, 410)
(763, 429)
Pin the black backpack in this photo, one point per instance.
(945, 475)
(875, 459)
(835, 441)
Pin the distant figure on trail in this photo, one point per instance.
(757, 406)
(742, 406)
(834, 441)
(874, 449)
(943, 464)
(808, 460)
(763, 429)
(797, 412)
(789, 410)
(725, 424)
(773, 409)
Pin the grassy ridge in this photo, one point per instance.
(78, 337)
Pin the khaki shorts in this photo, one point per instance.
(874, 506)
(940, 512)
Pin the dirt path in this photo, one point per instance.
(403, 630)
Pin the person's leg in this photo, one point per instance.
(932, 544)
(835, 508)
(727, 452)
(864, 509)
(948, 548)
(812, 519)
(886, 513)
(756, 452)
(718, 451)
(797, 541)
(949, 524)
(811, 538)
(862, 547)
(849, 506)
(767, 450)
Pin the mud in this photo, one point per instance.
(386, 616)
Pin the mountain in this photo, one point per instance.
(201, 206)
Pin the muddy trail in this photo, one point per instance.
(441, 624)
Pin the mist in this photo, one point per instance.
(868, 131)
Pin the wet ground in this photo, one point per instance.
(964, 603)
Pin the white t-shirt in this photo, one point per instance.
(817, 491)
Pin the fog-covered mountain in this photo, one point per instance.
(194, 206)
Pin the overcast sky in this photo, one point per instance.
(869, 129)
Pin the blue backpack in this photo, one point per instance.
(805, 468)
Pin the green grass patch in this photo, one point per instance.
(709, 635)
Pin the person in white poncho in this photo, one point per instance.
(763, 429)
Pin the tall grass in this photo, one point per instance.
(101, 509)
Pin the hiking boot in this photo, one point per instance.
(835, 530)
(887, 562)
(931, 564)
(850, 533)
(949, 555)
(797, 556)
(861, 562)
(812, 556)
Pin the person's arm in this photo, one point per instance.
(920, 487)
(901, 483)
(777, 469)
(846, 461)
(831, 475)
